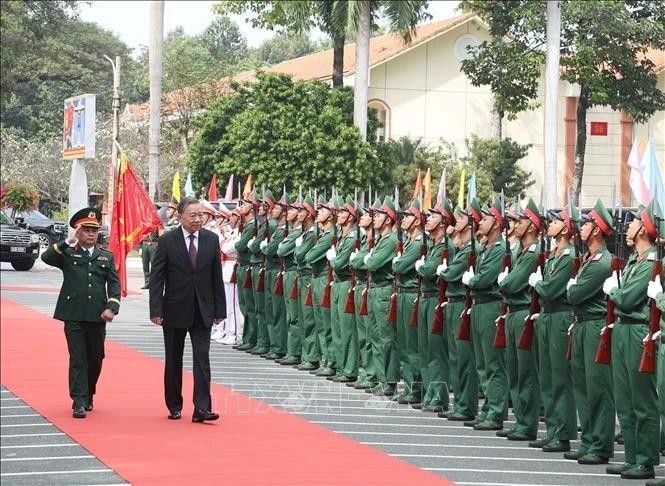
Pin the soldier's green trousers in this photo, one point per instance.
(262, 338)
(322, 319)
(592, 384)
(483, 329)
(382, 335)
(556, 382)
(147, 254)
(635, 396)
(433, 350)
(277, 327)
(660, 366)
(85, 342)
(344, 331)
(247, 307)
(294, 338)
(466, 390)
(450, 329)
(522, 375)
(407, 344)
(367, 360)
(311, 352)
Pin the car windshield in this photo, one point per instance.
(4, 219)
(34, 215)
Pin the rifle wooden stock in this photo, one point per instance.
(526, 339)
(309, 299)
(234, 274)
(294, 289)
(604, 351)
(364, 309)
(325, 300)
(261, 284)
(577, 263)
(648, 359)
(247, 281)
(437, 322)
(278, 289)
(350, 305)
(413, 318)
(464, 333)
(392, 308)
(500, 335)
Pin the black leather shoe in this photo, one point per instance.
(639, 472)
(79, 412)
(258, 351)
(471, 423)
(504, 433)
(344, 379)
(458, 417)
(618, 468)
(145, 287)
(592, 460)
(436, 409)
(557, 446)
(573, 455)
(175, 415)
(89, 406)
(540, 443)
(201, 415)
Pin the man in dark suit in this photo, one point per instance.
(187, 295)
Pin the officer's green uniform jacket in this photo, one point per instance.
(429, 282)
(255, 246)
(270, 251)
(358, 262)
(632, 302)
(242, 251)
(453, 274)
(586, 295)
(341, 263)
(404, 266)
(316, 257)
(488, 266)
(90, 285)
(380, 260)
(552, 289)
(515, 249)
(516, 284)
(286, 249)
(300, 252)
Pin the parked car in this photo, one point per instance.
(49, 230)
(18, 246)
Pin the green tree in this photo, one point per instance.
(603, 51)
(224, 42)
(284, 132)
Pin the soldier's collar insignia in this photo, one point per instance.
(532, 247)
(597, 257)
(566, 251)
(103, 258)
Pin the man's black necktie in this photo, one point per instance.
(192, 249)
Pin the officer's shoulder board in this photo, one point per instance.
(532, 248)
(651, 257)
(418, 238)
(597, 257)
(566, 252)
(352, 234)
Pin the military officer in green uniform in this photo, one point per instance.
(635, 393)
(592, 382)
(148, 248)
(521, 363)
(434, 344)
(382, 334)
(244, 271)
(89, 298)
(556, 383)
(465, 377)
(286, 252)
(407, 288)
(275, 306)
(343, 324)
(316, 258)
(311, 353)
(486, 306)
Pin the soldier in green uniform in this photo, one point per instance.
(434, 344)
(286, 252)
(406, 280)
(316, 258)
(89, 298)
(148, 248)
(592, 382)
(635, 393)
(367, 373)
(465, 377)
(275, 306)
(555, 318)
(521, 363)
(484, 313)
(382, 334)
(343, 324)
(244, 272)
(311, 353)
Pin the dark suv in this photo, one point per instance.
(18, 246)
(49, 230)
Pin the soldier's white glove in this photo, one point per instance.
(366, 258)
(331, 253)
(571, 282)
(299, 241)
(397, 257)
(419, 263)
(654, 288)
(467, 276)
(502, 276)
(442, 268)
(354, 254)
(611, 283)
(535, 277)
(263, 244)
(249, 243)
(533, 317)
(656, 336)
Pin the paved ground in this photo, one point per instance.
(456, 452)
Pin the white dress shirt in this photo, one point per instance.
(186, 236)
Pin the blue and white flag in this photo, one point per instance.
(189, 191)
(652, 175)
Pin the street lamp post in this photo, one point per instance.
(114, 144)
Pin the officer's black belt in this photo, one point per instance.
(517, 308)
(549, 309)
(485, 299)
(582, 317)
(456, 299)
(629, 321)
(374, 285)
(304, 273)
(320, 275)
(430, 294)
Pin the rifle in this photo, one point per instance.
(247, 282)
(279, 281)
(325, 300)
(500, 336)
(350, 305)
(526, 339)
(604, 351)
(309, 298)
(371, 238)
(413, 319)
(648, 359)
(577, 263)
(465, 324)
(437, 322)
(261, 285)
(392, 309)
(234, 274)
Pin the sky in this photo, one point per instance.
(129, 19)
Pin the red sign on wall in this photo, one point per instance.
(599, 129)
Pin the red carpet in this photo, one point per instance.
(128, 430)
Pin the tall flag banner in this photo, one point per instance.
(636, 180)
(652, 174)
(460, 196)
(441, 194)
(249, 185)
(212, 191)
(228, 197)
(473, 193)
(418, 188)
(427, 190)
(175, 187)
(189, 190)
(134, 217)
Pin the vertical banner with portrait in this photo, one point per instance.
(78, 140)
